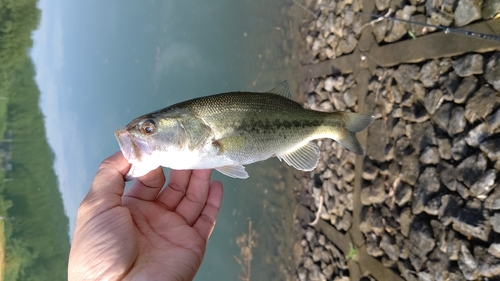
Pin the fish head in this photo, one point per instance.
(145, 135)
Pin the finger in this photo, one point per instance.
(195, 199)
(175, 190)
(205, 223)
(148, 186)
(107, 187)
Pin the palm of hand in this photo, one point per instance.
(146, 234)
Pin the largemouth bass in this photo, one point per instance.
(229, 130)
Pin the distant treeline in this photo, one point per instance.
(36, 228)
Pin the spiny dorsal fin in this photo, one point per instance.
(282, 89)
(305, 158)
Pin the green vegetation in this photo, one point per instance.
(33, 228)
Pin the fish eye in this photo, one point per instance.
(148, 127)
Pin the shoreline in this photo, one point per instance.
(422, 204)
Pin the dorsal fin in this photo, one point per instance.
(282, 89)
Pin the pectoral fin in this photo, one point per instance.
(304, 158)
(236, 171)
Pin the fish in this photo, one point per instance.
(227, 131)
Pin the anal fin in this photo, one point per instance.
(305, 158)
(235, 171)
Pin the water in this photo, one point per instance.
(102, 63)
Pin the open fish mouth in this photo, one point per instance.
(133, 148)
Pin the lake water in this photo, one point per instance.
(102, 63)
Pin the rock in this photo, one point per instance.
(409, 169)
(450, 208)
(328, 271)
(332, 83)
(380, 29)
(467, 263)
(442, 115)
(462, 190)
(402, 193)
(467, 11)
(422, 135)
(382, 4)
(493, 200)
(316, 254)
(450, 245)
(438, 265)
(347, 45)
(491, 147)
(471, 222)
(459, 149)
(444, 148)
(471, 169)
(374, 193)
(405, 219)
(425, 188)
(403, 147)
(421, 243)
(492, 71)
(481, 104)
(468, 64)
(389, 246)
(399, 130)
(400, 28)
(432, 99)
(372, 247)
(416, 113)
(466, 88)
(372, 107)
(429, 74)
(493, 120)
(477, 135)
(457, 121)
(370, 171)
(377, 133)
(451, 81)
(405, 75)
(371, 220)
(484, 184)
(351, 97)
(430, 155)
(447, 175)
(490, 9)
(495, 222)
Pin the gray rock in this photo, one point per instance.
(467, 11)
(372, 107)
(374, 193)
(495, 222)
(372, 247)
(425, 189)
(422, 135)
(399, 130)
(477, 135)
(490, 9)
(380, 29)
(432, 99)
(462, 190)
(467, 87)
(328, 271)
(471, 169)
(481, 104)
(389, 246)
(405, 76)
(347, 45)
(491, 147)
(403, 147)
(334, 83)
(409, 169)
(316, 254)
(468, 64)
(351, 96)
(371, 220)
(442, 115)
(450, 81)
(429, 73)
(370, 171)
(415, 113)
(493, 200)
(467, 263)
(421, 243)
(450, 245)
(457, 121)
(430, 155)
(459, 149)
(451, 206)
(492, 71)
(402, 194)
(377, 133)
(484, 184)
(382, 4)
(493, 121)
(444, 148)
(447, 175)
(438, 264)
(471, 222)
(400, 28)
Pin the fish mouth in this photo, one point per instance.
(133, 148)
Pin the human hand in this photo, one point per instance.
(143, 234)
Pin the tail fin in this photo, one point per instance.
(354, 123)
